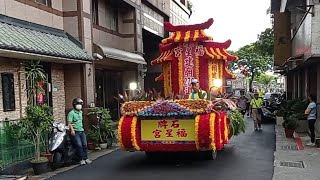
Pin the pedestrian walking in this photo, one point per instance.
(249, 97)
(311, 112)
(75, 124)
(242, 104)
(256, 105)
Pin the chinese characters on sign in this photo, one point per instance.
(188, 64)
(169, 129)
(188, 52)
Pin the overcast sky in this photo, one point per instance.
(238, 20)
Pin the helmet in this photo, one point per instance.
(194, 81)
(77, 101)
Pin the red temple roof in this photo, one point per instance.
(164, 56)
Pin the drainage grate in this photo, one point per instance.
(289, 147)
(297, 164)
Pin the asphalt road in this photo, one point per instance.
(246, 157)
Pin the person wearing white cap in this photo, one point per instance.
(197, 93)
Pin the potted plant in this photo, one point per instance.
(93, 139)
(37, 119)
(290, 124)
(104, 125)
(279, 114)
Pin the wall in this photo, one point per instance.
(26, 12)
(282, 43)
(106, 39)
(58, 92)
(120, 38)
(178, 13)
(315, 30)
(301, 43)
(72, 83)
(152, 21)
(20, 101)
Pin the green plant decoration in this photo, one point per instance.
(237, 122)
(34, 74)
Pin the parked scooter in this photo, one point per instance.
(267, 116)
(61, 146)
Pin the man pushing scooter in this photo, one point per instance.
(75, 124)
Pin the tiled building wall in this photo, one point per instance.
(58, 92)
(21, 10)
(315, 30)
(14, 67)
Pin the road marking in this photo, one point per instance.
(298, 141)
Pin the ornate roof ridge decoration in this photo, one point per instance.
(184, 28)
(164, 56)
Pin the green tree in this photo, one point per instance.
(265, 42)
(252, 61)
(256, 58)
(265, 79)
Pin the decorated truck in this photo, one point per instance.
(176, 123)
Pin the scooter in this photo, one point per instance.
(61, 146)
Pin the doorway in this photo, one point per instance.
(108, 87)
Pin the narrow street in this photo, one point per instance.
(246, 157)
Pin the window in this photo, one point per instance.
(8, 92)
(95, 12)
(44, 2)
(112, 14)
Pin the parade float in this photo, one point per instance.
(175, 123)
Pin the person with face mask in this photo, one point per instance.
(75, 124)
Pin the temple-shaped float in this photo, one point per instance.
(181, 124)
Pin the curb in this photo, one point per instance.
(93, 156)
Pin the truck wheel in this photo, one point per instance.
(211, 155)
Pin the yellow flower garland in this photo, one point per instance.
(178, 36)
(196, 35)
(210, 73)
(133, 133)
(119, 133)
(196, 130)
(187, 36)
(197, 67)
(226, 132)
(212, 131)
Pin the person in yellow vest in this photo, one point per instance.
(197, 93)
(256, 105)
(261, 93)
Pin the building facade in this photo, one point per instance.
(90, 49)
(296, 25)
(297, 52)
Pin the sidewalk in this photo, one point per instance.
(293, 160)
(29, 176)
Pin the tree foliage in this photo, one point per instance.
(265, 79)
(256, 58)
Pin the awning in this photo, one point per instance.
(299, 57)
(19, 38)
(118, 54)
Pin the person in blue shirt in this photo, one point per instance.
(311, 111)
